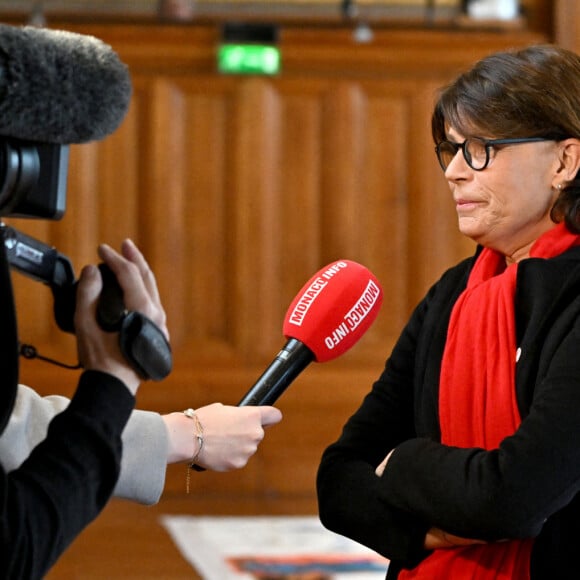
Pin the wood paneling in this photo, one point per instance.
(567, 24)
(238, 189)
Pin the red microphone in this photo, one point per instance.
(326, 318)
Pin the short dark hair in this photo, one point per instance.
(530, 92)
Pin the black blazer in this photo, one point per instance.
(526, 488)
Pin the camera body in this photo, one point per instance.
(33, 179)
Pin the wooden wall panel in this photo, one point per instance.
(238, 189)
(567, 23)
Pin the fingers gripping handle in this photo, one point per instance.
(142, 342)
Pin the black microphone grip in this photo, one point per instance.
(288, 364)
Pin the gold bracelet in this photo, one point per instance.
(197, 437)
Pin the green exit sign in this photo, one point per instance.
(240, 58)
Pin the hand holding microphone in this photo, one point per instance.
(326, 318)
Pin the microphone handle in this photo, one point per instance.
(288, 364)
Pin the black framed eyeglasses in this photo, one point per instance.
(476, 151)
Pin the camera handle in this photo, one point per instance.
(143, 344)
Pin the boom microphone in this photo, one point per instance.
(59, 87)
(326, 318)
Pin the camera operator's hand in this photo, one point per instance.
(99, 350)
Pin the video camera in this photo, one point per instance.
(33, 181)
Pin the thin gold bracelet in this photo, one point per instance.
(197, 438)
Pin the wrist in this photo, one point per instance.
(198, 444)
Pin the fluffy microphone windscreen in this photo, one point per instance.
(334, 309)
(59, 87)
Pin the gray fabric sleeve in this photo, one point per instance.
(144, 461)
(145, 442)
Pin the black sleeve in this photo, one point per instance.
(508, 492)
(66, 481)
(350, 495)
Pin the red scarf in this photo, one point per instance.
(477, 398)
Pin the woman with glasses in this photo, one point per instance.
(463, 461)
